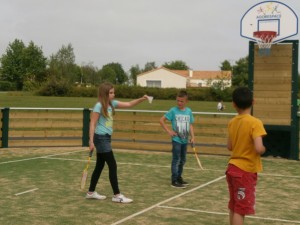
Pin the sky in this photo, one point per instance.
(202, 33)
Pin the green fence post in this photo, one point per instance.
(5, 127)
(294, 152)
(85, 127)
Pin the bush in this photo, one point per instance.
(30, 86)
(123, 91)
(198, 94)
(7, 86)
(83, 92)
(217, 94)
(55, 88)
(131, 92)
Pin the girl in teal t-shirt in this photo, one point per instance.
(101, 129)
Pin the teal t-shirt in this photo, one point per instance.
(104, 125)
(181, 120)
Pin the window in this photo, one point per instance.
(153, 83)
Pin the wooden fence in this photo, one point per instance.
(133, 129)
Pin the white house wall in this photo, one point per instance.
(167, 78)
(208, 83)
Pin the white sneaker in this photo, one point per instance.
(121, 199)
(95, 195)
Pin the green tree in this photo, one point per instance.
(176, 65)
(240, 72)
(35, 64)
(89, 74)
(134, 71)
(225, 65)
(108, 74)
(23, 65)
(114, 73)
(62, 65)
(149, 66)
(12, 69)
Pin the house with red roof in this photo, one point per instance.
(166, 78)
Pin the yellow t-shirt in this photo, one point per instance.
(243, 129)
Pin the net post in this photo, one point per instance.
(85, 127)
(5, 127)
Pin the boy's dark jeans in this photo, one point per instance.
(178, 159)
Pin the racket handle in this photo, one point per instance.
(91, 153)
(192, 144)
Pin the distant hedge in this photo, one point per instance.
(125, 91)
(7, 86)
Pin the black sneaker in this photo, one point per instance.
(176, 184)
(181, 181)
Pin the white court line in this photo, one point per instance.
(221, 213)
(159, 166)
(26, 191)
(153, 165)
(215, 170)
(193, 210)
(40, 157)
(278, 175)
(135, 164)
(64, 159)
(167, 200)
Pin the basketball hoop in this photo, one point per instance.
(264, 41)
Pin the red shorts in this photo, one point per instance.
(241, 185)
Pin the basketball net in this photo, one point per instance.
(264, 41)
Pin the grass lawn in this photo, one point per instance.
(42, 186)
(26, 99)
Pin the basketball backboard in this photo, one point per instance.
(269, 16)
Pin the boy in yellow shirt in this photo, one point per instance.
(245, 134)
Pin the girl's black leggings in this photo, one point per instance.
(109, 158)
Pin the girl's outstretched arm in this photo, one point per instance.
(132, 103)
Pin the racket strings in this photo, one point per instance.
(197, 158)
(85, 174)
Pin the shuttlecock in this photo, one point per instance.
(150, 98)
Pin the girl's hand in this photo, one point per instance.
(91, 146)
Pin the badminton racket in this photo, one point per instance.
(196, 155)
(85, 171)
